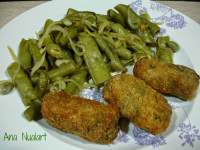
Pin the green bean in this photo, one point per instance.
(47, 23)
(162, 41)
(62, 40)
(59, 62)
(33, 112)
(137, 23)
(93, 59)
(147, 37)
(62, 70)
(42, 83)
(124, 53)
(119, 48)
(82, 19)
(133, 19)
(145, 16)
(78, 78)
(118, 28)
(116, 17)
(78, 59)
(66, 22)
(58, 85)
(173, 45)
(57, 78)
(127, 62)
(24, 55)
(102, 22)
(55, 50)
(135, 42)
(165, 54)
(6, 87)
(47, 41)
(23, 83)
(102, 18)
(88, 18)
(115, 61)
(154, 28)
(34, 78)
(35, 53)
(71, 11)
(122, 9)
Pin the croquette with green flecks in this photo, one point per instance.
(142, 105)
(167, 78)
(88, 119)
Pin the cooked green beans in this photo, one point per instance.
(23, 83)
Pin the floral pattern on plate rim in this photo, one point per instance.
(168, 16)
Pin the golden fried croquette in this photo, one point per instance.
(138, 102)
(88, 119)
(166, 78)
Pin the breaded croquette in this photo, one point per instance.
(88, 119)
(167, 78)
(142, 105)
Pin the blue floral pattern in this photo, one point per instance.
(122, 137)
(144, 138)
(138, 7)
(168, 16)
(188, 134)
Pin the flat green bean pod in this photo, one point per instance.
(62, 70)
(24, 55)
(23, 83)
(116, 17)
(94, 60)
(114, 59)
(76, 82)
(164, 54)
(33, 112)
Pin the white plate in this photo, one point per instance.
(184, 131)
